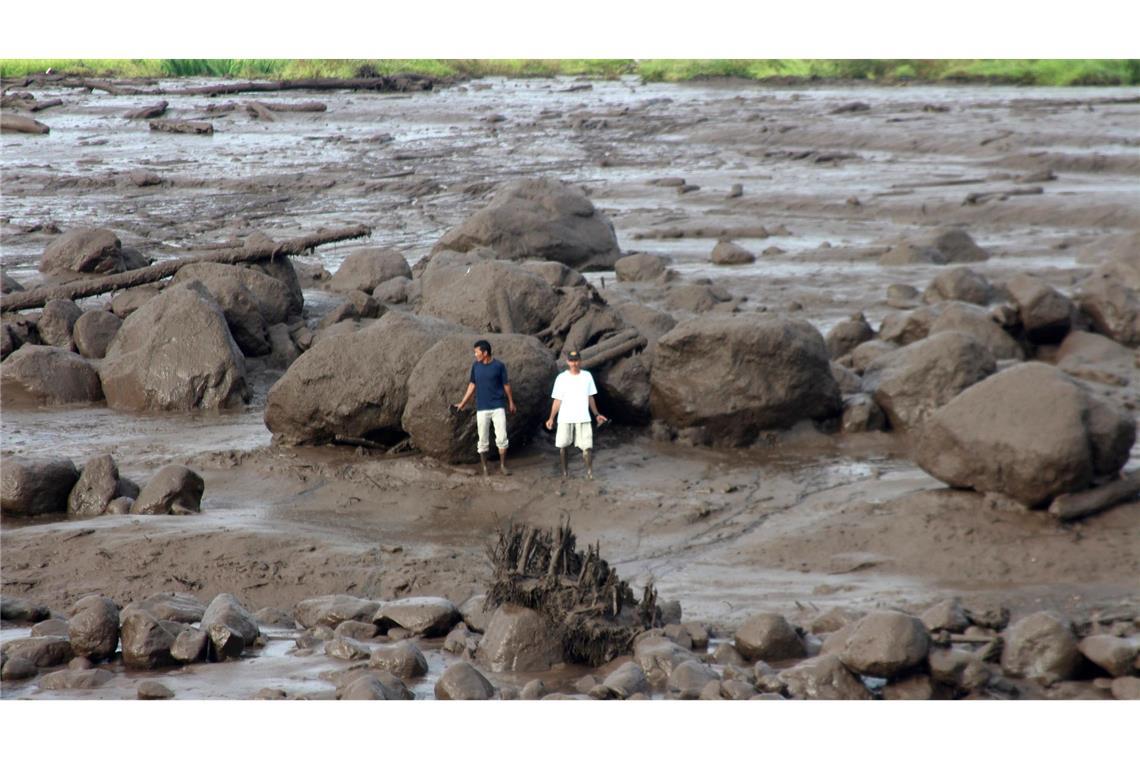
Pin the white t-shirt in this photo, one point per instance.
(574, 392)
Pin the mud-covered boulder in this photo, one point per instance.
(242, 312)
(146, 640)
(1040, 646)
(15, 609)
(356, 305)
(172, 490)
(884, 644)
(556, 274)
(57, 321)
(402, 659)
(48, 376)
(959, 284)
(822, 677)
(689, 679)
(1029, 432)
(950, 246)
(913, 382)
(226, 610)
(127, 302)
(846, 335)
(175, 607)
(1112, 307)
(947, 615)
(373, 686)
(282, 270)
(421, 615)
(539, 219)
(9, 284)
(334, 609)
(191, 645)
(728, 253)
(271, 296)
(627, 680)
(519, 639)
(1113, 654)
(83, 251)
(737, 376)
(440, 378)
(93, 332)
(353, 385)
(698, 298)
(367, 268)
(911, 326)
(1095, 357)
(976, 322)
(639, 267)
(651, 323)
(41, 651)
(861, 414)
(175, 353)
(93, 627)
(487, 295)
(624, 389)
(462, 681)
(97, 487)
(658, 656)
(1046, 315)
(36, 486)
(770, 637)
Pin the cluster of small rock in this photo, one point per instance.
(45, 485)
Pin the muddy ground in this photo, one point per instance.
(797, 524)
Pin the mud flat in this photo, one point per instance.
(799, 522)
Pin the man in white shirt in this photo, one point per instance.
(573, 395)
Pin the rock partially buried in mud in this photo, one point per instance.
(768, 636)
(912, 383)
(1113, 308)
(84, 251)
(959, 284)
(334, 609)
(178, 608)
(728, 253)
(65, 680)
(1040, 646)
(689, 679)
(440, 377)
(486, 295)
(172, 490)
(57, 321)
(519, 639)
(94, 331)
(226, 610)
(462, 681)
(48, 376)
(402, 659)
(978, 324)
(951, 246)
(639, 267)
(374, 686)
(35, 486)
(93, 627)
(175, 353)
(1113, 654)
(41, 651)
(627, 680)
(149, 690)
(846, 335)
(737, 376)
(368, 268)
(1046, 315)
(539, 219)
(884, 644)
(146, 640)
(97, 487)
(1029, 432)
(21, 610)
(822, 677)
(421, 615)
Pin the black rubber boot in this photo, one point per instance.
(562, 461)
(588, 455)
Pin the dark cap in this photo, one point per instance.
(573, 356)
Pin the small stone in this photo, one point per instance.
(154, 690)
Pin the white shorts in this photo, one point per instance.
(483, 422)
(580, 434)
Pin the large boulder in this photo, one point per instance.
(639, 267)
(487, 295)
(373, 686)
(272, 297)
(35, 486)
(769, 637)
(172, 490)
(651, 323)
(9, 284)
(689, 678)
(1046, 315)
(737, 376)
(243, 315)
(334, 609)
(822, 677)
(146, 640)
(127, 302)
(402, 659)
(93, 627)
(1112, 307)
(950, 246)
(1095, 357)
(462, 681)
(41, 651)
(911, 326)
(440, 377)
(976, 322)
(282, 270)
(57, 321)
(175, 607)
(913, 382)
(84, 251)
(421, 615)
(728, 253)
(884, 644)
(539, 219)
(519, 639)
(353, 385)
(93, 332)
(175, 353)
(624, 389)
(97, 487)
(845, 336)
(369, 267)
(959, 284)
(627, 680)
(1029, 432)
(48, 376)
(226, 610)
(1040, 646)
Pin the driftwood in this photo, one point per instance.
(1071, 506)
(259, 111)
(613, 347)
(592, 610)
(398, 83)
(31, 299)
(12, 123)
(182, 127)
(976, 198)
(147, 112)
(310, 106)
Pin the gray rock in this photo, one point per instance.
(979, 325)
(272, 297)
(884, 644)
(823, 677)
(726, 654)
(127, 302)
(83, 251)
(149, 690)
(657, 654)
(333, 609)
(768, 636)
(93, 627)
(274, 617)
(226, 610)
(947, 615)
(241, 310)
(35, 487)
(402, 659)
(1112, 307)
(728, 253)
(225, 643)
(354, 629)
(534, 689)
(519, 639)
(485, 295)
(93, 332)
(1114, 655)
(172, 490)
(57, 322)
(96, 487)
(368, 268)
(909, 327)
(917, 686)
(48, 376)
(957, 669)
(146, 640)
(846, 335)
(374, 686)
(689, 678)
(1040, 646)
(190, 645)
(1046, 315)
(959, 284)
(18, 669)
(627, 680)
(474, 613)
(346, 649)
(176, 607)
(861, 414)
(50, 627)
(41, 651)
(462, 681)
(66, 680)
(9, 284)
(1126, 687)
(421, 615)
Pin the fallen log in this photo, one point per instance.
(977, 198)
(259, 111)
(31, 299)
(182, 127)
(12, 123)
(43, 105)
(147, 112)
(614, 352)
(311, 106)
(1072, 506)
(400, 83)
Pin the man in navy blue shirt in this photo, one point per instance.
(492, 390)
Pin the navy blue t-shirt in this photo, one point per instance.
(489, 380)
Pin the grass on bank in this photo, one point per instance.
(1046, 72)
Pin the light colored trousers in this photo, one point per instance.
(483, 422)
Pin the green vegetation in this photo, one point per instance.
(1048, 72)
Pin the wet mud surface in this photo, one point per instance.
(797, 524)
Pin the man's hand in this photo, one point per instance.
(601, 419)
(512, 408)
(550, 424)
